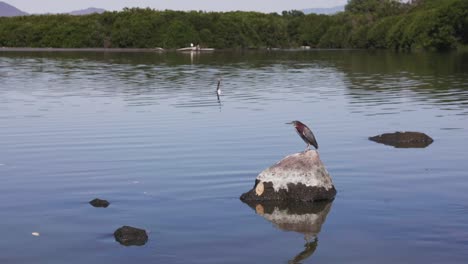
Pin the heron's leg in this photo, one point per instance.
(307, 148)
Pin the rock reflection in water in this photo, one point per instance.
(300, 217)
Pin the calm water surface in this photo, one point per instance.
(146, 132)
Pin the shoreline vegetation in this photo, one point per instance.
(365, 24)
(161, 50)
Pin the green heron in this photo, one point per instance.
(305, 133)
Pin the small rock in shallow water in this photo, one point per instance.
(404, 139)
(131, 236)
(99, 203)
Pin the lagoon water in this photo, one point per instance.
(147, 132)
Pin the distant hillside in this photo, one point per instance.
(324, 11)
(7, 10)
(87, 11)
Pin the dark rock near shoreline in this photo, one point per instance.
(99, 203)
(131, 236)
(404, 139)
(298, 177)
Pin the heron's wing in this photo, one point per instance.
(307, 133)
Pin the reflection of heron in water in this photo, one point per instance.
(310, 248)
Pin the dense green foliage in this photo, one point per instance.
(379, 24)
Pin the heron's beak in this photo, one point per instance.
(289, 123)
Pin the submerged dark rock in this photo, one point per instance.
(297, 177)
(404, 139)
(131, 236)
(99, 203)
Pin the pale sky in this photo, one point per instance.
(60, 6)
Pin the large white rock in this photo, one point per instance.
(300, 176)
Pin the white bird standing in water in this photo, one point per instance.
(218, 89)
